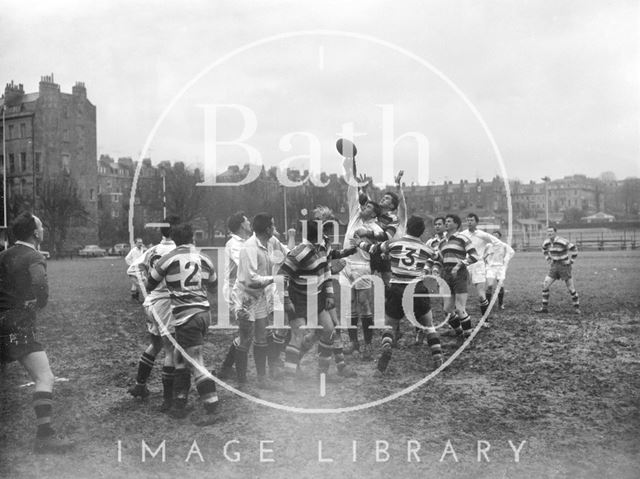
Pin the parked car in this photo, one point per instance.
(120, 249)
(92, 250)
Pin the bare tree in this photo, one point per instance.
(184, 199)
(60, 203)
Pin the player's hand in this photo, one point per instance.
(398, 177)
(362, 181)
(330, 303)
(242, 315)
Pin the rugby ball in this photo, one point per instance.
(346, 148)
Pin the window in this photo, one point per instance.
(91, 194)
(23, 130)
(10, 132)
(12, 163)
(1, 162)
(65, 135)
(115, 213)
(23, 186)
(23, 161)
(36, 164)
(38, 186)
(116, 198)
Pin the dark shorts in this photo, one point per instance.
(459, 284)
(300, 303)
(17, 335)
(379, 264)
(192, 332)
(393, 304)
(560, 271)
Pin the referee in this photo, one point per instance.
(23, 290)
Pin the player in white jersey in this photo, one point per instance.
(240, 228)
(479, 239)
(362, 220)
(497, 259)
(136, 252)
(157, 307)
(258, 262)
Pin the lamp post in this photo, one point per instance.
(4, 178)
(546, 180)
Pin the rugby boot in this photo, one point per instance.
(139, 391)
(383, 361)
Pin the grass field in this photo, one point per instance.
(567, 385)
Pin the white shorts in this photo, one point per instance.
(251, 307)
(353, 275)
(496, 272)
(477, 272)
(162, 309)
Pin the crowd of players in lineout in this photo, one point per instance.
(381, 246)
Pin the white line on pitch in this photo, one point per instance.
(321, 57)
(323, 391)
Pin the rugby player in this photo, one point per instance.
(23, 290)
(157, 307)
(307, 275)
(457, 254)
(240, 228)
(137, 251)
(480, 239)
(497, 259)
(261, 255)
(560, 254)
(187, 274)
(362, 220)
(409, 258)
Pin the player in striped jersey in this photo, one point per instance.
(392, 221)
(308, 282)
(187, 274)
(457, 253)
(440, 235)
(410, 260)
(157, 307)
(560, 254)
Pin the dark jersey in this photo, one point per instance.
(23, 277)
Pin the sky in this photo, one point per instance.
(445, 90)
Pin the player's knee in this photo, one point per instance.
(44, 379)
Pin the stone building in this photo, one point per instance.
(45, 134)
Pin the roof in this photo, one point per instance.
(26, 98)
